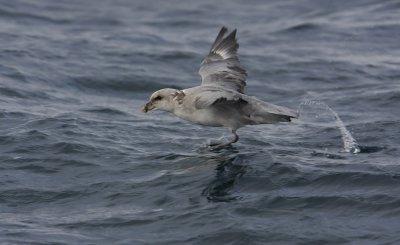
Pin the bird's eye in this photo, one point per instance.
(158, 98)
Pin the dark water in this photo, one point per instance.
(81, 165)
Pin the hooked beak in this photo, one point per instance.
(147, 107)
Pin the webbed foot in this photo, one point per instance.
(223, 145)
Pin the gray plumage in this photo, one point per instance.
(221, 67)
(220, 100)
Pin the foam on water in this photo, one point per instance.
(349, 143)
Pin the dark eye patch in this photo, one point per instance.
(158, 98)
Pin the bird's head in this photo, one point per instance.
(162, 99)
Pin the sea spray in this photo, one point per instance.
(349, 143)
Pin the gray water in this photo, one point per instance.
(80, 164)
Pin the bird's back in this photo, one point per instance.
(229, 108)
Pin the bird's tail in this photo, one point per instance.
(265, 113)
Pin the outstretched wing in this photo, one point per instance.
(209, 95)
(221, 67)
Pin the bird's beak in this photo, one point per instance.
(147, 107)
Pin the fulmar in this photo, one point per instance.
(220, 100)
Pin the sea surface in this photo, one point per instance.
(80, 164)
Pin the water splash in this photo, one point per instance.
(349, 143)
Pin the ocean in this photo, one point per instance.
(80, 164)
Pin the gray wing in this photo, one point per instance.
(208, 95)
(221, 67)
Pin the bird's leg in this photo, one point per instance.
(235, 138)
(222, 145)
(178, 96)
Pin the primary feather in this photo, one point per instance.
(222, 67)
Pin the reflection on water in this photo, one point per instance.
(228, 172)
(230, 169)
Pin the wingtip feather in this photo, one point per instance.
(219, 38)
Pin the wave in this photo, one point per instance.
(302, 27)
(123, 85)
(26, 196)
(7, 13)
(105, 110)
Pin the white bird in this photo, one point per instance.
(220, 100)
